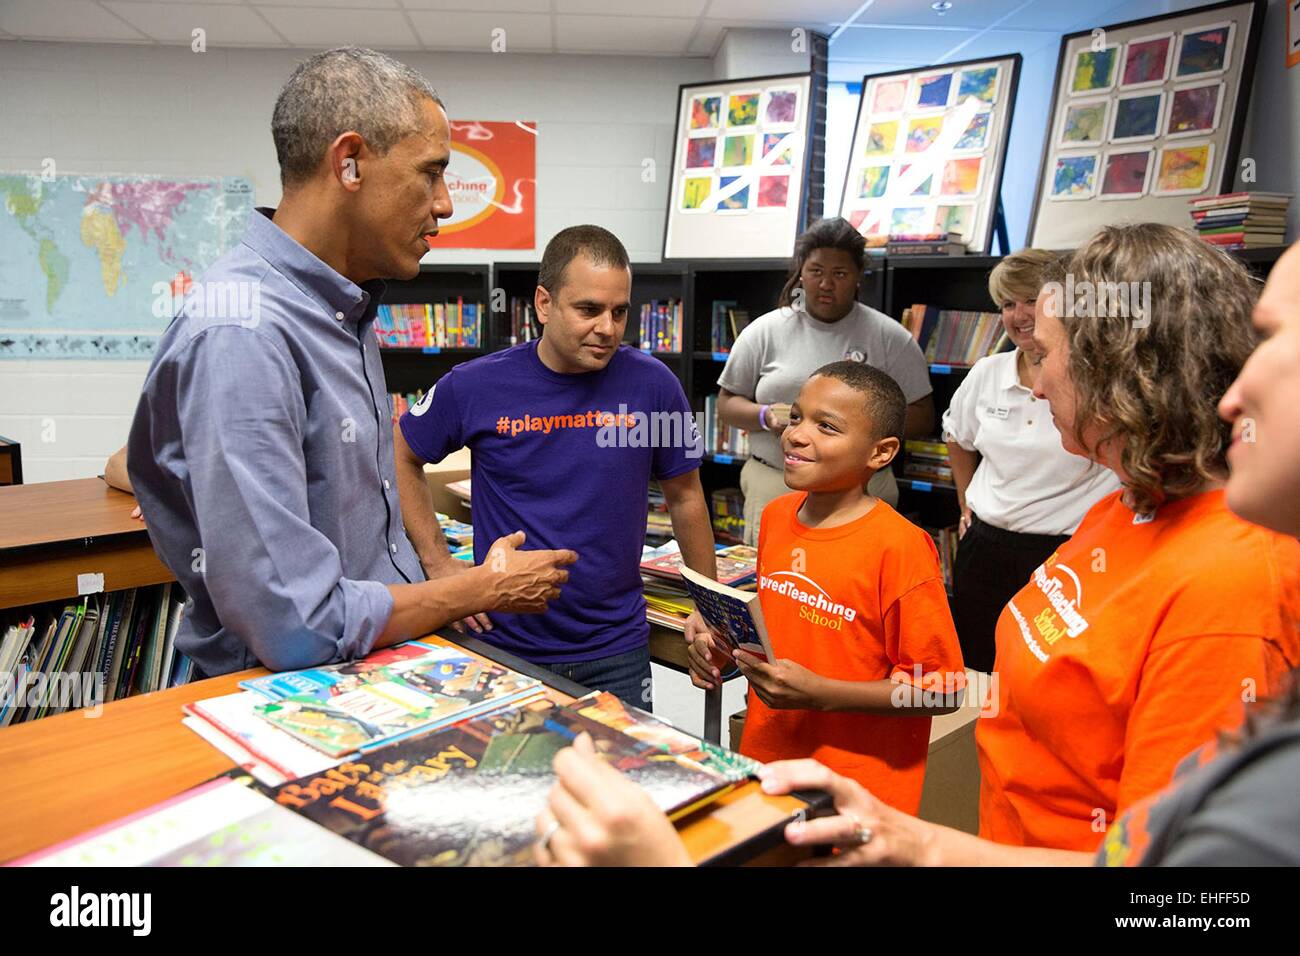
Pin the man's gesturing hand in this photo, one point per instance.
(523, 581)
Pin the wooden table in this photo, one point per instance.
(66, 774)
(52, 533)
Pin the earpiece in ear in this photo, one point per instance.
(350, 171)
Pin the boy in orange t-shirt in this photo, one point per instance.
(853, 600)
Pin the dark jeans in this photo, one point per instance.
(990, 567)
(625, 675)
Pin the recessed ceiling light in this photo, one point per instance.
(941, 6)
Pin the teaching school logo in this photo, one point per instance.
(422, 406)
(1063, 617)
(818, 606)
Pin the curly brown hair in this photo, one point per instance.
(1155, 383)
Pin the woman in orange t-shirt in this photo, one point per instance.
(1143, 635)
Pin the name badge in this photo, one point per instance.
(998, 411)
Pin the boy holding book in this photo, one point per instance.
(852, 598)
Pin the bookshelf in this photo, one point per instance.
(410, 370)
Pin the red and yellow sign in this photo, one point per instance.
(493, 181)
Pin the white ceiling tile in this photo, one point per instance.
(73, 20)
(474, 31)
(481, 6)
(224, 24)
(330, 28)
(631, 8)
(308, 4)
(803, 13)
(637, 35)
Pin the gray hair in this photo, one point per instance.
(347, 88)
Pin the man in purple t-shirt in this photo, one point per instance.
(566, 432)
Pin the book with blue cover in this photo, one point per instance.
(737, 616)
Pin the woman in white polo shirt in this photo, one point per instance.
(818, 320)
(1021, 494)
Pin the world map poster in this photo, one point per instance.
(91, 265)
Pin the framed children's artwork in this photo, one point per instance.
(740, 170)
(1145, 114)
(929, 147)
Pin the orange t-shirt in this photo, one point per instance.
(860, 602)
(1129, 648)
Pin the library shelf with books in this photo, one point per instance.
(72, 556)
(415, 362)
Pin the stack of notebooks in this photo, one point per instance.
(955, 337)
(446, 325)
(927, 244)
(720, 438)
(661, 326)
(91, 651)
(465, 794)
(725, 323)
(727, 505)
(1242, 220)
(927, 460)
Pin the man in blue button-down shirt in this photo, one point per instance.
(262, 449)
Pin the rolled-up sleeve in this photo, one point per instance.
(274, 580)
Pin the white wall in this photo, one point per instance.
(105, 108)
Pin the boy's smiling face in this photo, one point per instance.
(831, 444)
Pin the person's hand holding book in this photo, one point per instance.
(595, 816)
(783, 684)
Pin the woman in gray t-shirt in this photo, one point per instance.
(818, 320)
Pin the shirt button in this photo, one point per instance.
(339, 316)
(386, 485)
(1032, 399)
(393, 548)
(1031, 421)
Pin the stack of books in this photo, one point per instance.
(720, 439)
(667, 599)
(953, 336)
(727, 506)
(927, 460)
(1242, 220)
(661, 326)
(344, 709)
(463, 795)
(658, 523)
(99, 648)
(443, 325)
(927, 244)
(725, 324)
(737, 565)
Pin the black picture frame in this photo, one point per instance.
(801, 216)
(1232, 150)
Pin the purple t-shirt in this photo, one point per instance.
(550, 457)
